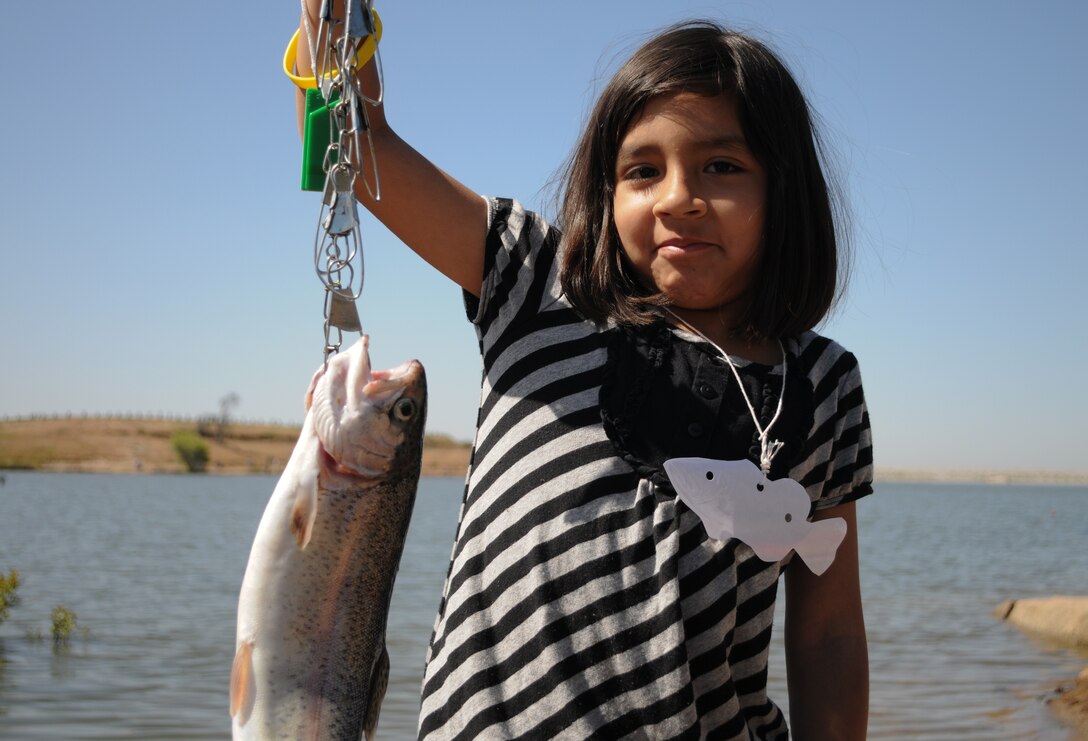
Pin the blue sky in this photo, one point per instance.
(155, 249)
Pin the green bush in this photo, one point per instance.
(8, 585)
(192, 450)
(64, 622)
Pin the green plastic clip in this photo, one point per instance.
(316, 131)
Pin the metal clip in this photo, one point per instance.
(343, 216)
(360, 19)
(342, 312)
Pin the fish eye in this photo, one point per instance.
(404, 409)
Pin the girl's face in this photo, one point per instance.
(688, 203)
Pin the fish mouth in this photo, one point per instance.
(359, 426)
(385, 386)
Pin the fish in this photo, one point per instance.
(310, 658)
(735, 500)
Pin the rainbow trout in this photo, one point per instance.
(310, 659)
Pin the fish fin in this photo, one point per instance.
(379, 680)
(304, 513)
(242, 692)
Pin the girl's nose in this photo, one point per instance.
(679, 196)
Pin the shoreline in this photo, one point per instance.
(942, 476)
(1063, 621)
(436, 464)
(452, 460)
(134, 445)
(442, 463)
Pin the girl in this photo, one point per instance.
(667, 315)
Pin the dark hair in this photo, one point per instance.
(797, 280)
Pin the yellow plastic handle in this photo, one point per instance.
(366, 51)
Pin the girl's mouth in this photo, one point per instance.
(683, 245)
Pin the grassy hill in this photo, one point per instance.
(134, 445)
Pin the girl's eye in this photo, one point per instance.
(722, 167)
(641, 172)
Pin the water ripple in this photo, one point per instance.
(152, 566)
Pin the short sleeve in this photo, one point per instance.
(520, 267)
(838, 467)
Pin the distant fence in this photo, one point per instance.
(148, 417)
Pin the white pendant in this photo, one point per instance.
(735, 500)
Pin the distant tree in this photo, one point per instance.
(226, 405)
(192, 450)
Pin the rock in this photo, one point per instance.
(1071, 706)
(1062, 619)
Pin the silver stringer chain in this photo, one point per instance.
(338, 248)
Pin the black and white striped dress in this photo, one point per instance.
(583, 601)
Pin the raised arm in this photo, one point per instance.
(434, 214)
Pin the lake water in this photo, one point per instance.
(152, 564)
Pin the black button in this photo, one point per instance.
(695, 429)
(706, 391)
